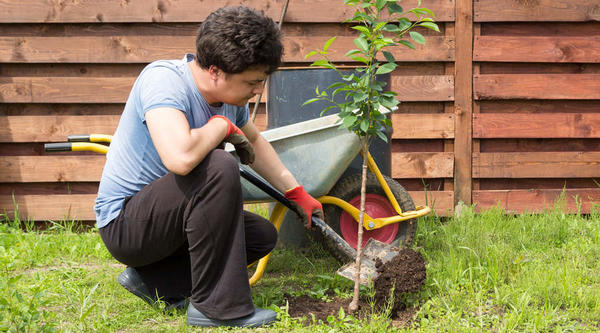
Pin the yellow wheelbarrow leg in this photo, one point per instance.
(276, 218)
(370, 223)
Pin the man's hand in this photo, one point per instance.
(236, 137)
(306, 205)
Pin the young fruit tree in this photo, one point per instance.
(382, 25)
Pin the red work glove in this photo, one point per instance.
(305, 205)
(236, 137)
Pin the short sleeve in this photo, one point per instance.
(241, 117)
(161, 87)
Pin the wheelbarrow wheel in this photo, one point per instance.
(376, 205)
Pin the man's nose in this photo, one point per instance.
(258, 89)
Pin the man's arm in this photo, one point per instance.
(267, 162)
(180, 148)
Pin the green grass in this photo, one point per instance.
(485, 272)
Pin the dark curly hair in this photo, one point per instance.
(237, 38)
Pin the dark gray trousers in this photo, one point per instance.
(188, 236)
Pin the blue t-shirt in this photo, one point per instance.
(132, 161)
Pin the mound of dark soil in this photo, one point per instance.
(405, 274)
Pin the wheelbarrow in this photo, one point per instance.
(317, 152)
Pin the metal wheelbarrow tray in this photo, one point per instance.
(317, 152)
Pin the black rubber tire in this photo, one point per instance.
(349, 187)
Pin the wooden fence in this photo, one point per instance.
(502, 106)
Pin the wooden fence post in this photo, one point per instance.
(463, 103)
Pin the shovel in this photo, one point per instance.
(374, 254)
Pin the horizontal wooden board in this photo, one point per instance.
(539, 106)
(538, 145)
(538, 125)
(536, 86)
(51, 168)
(145, 49)
(116, 89)
(422, 165)
(49, 188)
(537, 165)
(536, 10)
(86, 168)
(536, 183)
(53, 128)
(57, 128)
(442, 202)
(538, 68)
(537, 49)
(34, 11)
(559, 29)
(423, 126)
(65, 89)
(538, 200)
(80, 206)
(51, 207)
(426, 88)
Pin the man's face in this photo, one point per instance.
(237, 89)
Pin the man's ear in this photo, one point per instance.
(214, 72)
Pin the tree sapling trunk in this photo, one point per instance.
(364, 143)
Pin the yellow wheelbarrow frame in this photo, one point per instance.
(93, 142)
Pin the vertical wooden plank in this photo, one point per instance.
(449, 69)
(463, 101)
(476, 109)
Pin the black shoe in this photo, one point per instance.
(258, 318)
(131, 280)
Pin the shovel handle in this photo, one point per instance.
(329, 235)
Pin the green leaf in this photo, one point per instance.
(417, 37)
(335, 85)
(379, 26)
(364, 125)
(341, 313)
(422, 11)
(382, 136)
(323, 63)
(327, 109)
(386, 68)
(362, 29)
(389, 56)
(407, 43)
(404, 23)
(310, 54)
(361, 59)
(389, 103)
(430, 25)
(336, 91)
(361, 43)
(394, 7)
(312, 100)
(359, 97)
(391, 28)
(360, 16)
(328, 43)
(380, 4)
(351, 52)
(349, 121)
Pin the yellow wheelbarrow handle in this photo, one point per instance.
(76, 146)
(89, 138)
